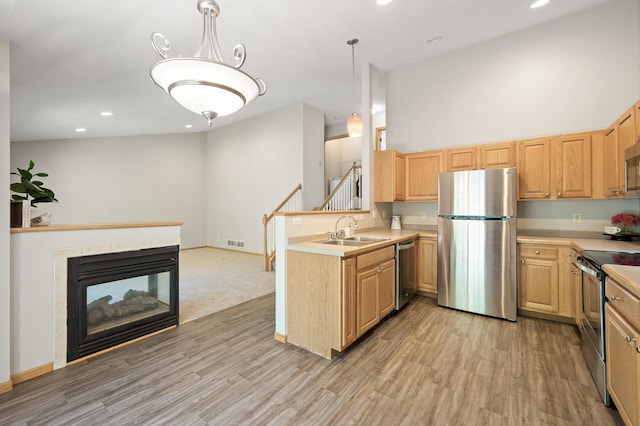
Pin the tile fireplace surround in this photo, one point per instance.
(39, 281)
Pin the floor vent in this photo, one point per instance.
(235, 243)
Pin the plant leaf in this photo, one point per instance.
(18, 197)
(31, 164)
(41, 174)
(18, 187)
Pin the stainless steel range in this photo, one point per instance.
(592, 327)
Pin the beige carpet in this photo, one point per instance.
(212, 280)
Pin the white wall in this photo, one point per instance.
(125, 179)
(573, 74)
(251, 167)
(313, 156)
(5, 294)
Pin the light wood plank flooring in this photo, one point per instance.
(426, 366)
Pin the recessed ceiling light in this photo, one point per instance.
(106, 113)
(188, 126)
(538, 3)
(383, 2)
(434, 40)
(81, 129)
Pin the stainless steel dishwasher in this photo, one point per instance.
(405, 272)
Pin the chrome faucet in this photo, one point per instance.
(342, 230)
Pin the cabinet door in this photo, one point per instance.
(367, 311)
(612, 163)
(627, 130)
(567, 284)
(637, 107)
(421, 171)
(460, 159)
(399, 178)
(349, 295)
(497, 155)
(534, 169)
(427, 266)
(387, 287)
(573, 165)
(622, 365)
(538, 285)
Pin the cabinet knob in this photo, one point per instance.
(537, 251)
(614, 298)
(546, 194)
(523, 262)
(638, 349)
(559, 194)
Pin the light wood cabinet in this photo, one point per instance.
(546, 284)
(534, 169)
(389, 176)
(573, 165)
(489, 156)
(349, 297)
(575, 283)
(613, 164)
(622, 314)
(375, 288)
(637, 109)
(555, 168)
(331, 301)
(427, 271)
(421, 175)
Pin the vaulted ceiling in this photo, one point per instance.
(71, 60)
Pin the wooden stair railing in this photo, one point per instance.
(343, 195)
(290, 203)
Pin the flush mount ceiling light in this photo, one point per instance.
(354, 122)
(538, 3)
(203, 83)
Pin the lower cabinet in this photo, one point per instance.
(622, 325)
(546, 285)
(331, 301)
(427, 276)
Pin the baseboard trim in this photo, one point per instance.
(280, 337)
(235, 250)
(31, 373)
(544, 316)
(6, 386)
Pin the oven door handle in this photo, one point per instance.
(588, 270)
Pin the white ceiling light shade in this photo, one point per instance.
(205, 85)
(354, 122)
(538, 3)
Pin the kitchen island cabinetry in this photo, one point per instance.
(545, 284)
(622, 313)
(333, 300)
(389, 176)
(489, 156)
(421, 175)
(427, 273)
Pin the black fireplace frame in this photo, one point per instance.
(91, 270)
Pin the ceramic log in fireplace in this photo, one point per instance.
(116, 297)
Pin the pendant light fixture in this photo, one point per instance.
(354, 122)
(203, 83)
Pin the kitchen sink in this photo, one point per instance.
(353, 241)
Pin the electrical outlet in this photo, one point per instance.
(374, 214)
(423, 215)
(383, 214)
(297, 221)
(577, 218)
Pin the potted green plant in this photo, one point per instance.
(30, 189)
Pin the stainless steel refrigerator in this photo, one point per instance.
(477, 241)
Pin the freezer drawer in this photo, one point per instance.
(476, 266)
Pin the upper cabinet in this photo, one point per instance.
(489, 156)
(534, 169)
(572, 165)
(637, 109)
(389, 176)
(555, 168)
(619, 136)
(421, 175)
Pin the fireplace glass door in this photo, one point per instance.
(113, 298)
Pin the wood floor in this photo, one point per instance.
(427, 365)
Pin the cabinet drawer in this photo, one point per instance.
(624, 302)
(541, 252)
(367, 260)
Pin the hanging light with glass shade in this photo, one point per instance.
(354, 122)
(204, 84)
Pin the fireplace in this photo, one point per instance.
(116, 297)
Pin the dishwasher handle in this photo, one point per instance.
(401, 246)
